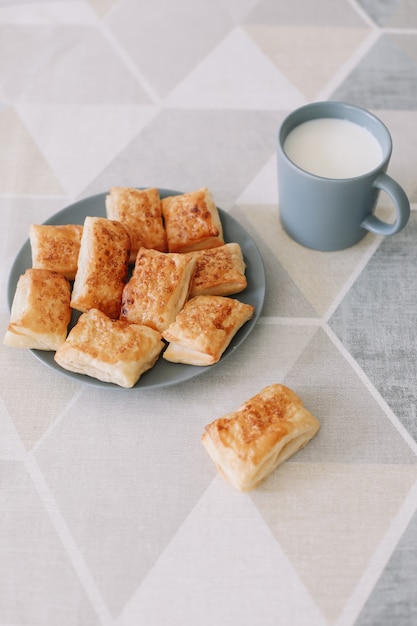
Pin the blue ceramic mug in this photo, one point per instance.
(331, 210)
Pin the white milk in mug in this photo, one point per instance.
(333, 148)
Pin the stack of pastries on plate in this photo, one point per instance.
(154, 271)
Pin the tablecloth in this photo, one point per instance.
(111, 511)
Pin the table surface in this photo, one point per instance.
(111, 511)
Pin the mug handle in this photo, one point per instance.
(401, 203)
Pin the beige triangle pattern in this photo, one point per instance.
(263, 188)
(332, 269)
(23, 168)
(98, 133)
(239, 547)
(331, 560)
(296, 550)
(46, 407)
(10, 444)
(102, 7)
(316, 53)
(246, 74)
(280, 350)
(44, 12)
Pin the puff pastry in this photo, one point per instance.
(248, 444)
(219, 271)
(139, 210)
(192, 221)
(103, 265)
(110, 350)
(40, 311)
(204, 328)
(56, 247)
(158, 288)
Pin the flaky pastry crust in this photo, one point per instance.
(158, 288)
(56, 247)
(248, 444)
(219, 271)
(103, 265)
(110, 350)
(139, 210)
(40, 311)
(192, 221)
(204, 328)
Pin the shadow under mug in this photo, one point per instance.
(330, 214)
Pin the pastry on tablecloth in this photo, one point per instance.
(251, 442)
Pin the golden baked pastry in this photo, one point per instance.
(103, 265)
(56, 247)
(110, 350)
(192, 221)
(158, 288)
(219, 271)
(204, 328)
(139, 210)
(248, 444)
(40, 311)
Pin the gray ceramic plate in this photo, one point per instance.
(163, 373)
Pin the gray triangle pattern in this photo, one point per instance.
(161, 154)
(380, 12)
(348, 413)
(36, 546)
(108, 500)
(348, 408)
(134, 541)
(398, 607)
(304, 12)
(188, 35)
(376, 336)
(394, 13)
(385, 79)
